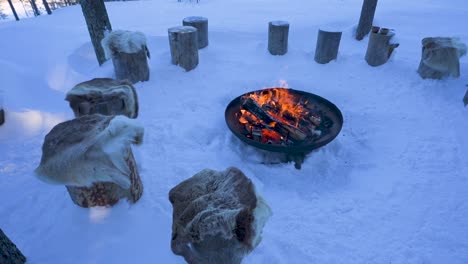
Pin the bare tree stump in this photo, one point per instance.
(328, 44)
(201, 24)
(183, 42)
(9, 253)
(129, 54)
(366, 19)
(380, 47)
(278, 32)
(98, 23)
(441, 57)
(103, 96)
(109, 193)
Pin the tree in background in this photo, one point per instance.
(98, 23)
(13, 10)
(46, 6)
(34, 8)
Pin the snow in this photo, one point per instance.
(123, 41)
(391, 188)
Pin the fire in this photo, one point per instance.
(278, 116)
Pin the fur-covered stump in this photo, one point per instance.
(91, 155)
(218, 217)
(129, 55)
(183, 43)
(278, 34)
(441, 57)
(380, 46)
(201, 24)
(328, 43)
(9, 253)
(104, 96)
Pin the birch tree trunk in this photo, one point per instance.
(98, 23)
(366, 19)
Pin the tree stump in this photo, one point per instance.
(183, 42)
(278, 32)
(109, 193)
(201, 24)
(9, 253)
(380, 47)
(327, 46)
(366, 19)
(104, 96)
(2, 111)
(218, 217)
(98, 23)
(129, 55)
(441, 57)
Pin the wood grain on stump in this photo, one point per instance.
(201, 24)
(183, 43)
(328, 44)
(278, 32)
(380, 47)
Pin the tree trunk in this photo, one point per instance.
(46, 5)
(183, 42)
(9, 253)
(34, 7)
(201, 24)
(98, 23)
(131, 66)
(327, 46)
(379, 48)
(465, 99)
(13, 10)
(366, 19)
(278, 32)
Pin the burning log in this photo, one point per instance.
(272, 122)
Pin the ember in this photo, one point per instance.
(276, 116)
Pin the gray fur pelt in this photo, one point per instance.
(218, 217)
(89, 149)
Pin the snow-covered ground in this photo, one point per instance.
(391, 188)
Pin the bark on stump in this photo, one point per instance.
(98, 23)
(129, 54)
(328, 44)
(278, 32)
(201, 24)
(380, 47)
(440, 57)
(366, 19)
(108, 193)
(9, 253)
(183, 42)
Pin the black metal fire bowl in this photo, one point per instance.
(295, 152)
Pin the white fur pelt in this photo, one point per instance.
(89, 149)
(442, 54)
(123, 41)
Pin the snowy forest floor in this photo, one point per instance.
(391, 188)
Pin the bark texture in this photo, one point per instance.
(98, 23)
(380, 47)
(328, 44)
(366, 19)
(278, 32)
(9, 253)
(201, 24)
(131, 66)
(183, 42)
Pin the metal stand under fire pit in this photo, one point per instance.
(301, 143)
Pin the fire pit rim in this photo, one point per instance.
(338, 124)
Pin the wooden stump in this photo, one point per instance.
(380, 48)
(366, 19)
(183, 42)
(2, 117)
(108, 193)
(9, 253)
(327, 46)
(201, 24)
(278, 32)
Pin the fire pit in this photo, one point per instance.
(284, 120)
